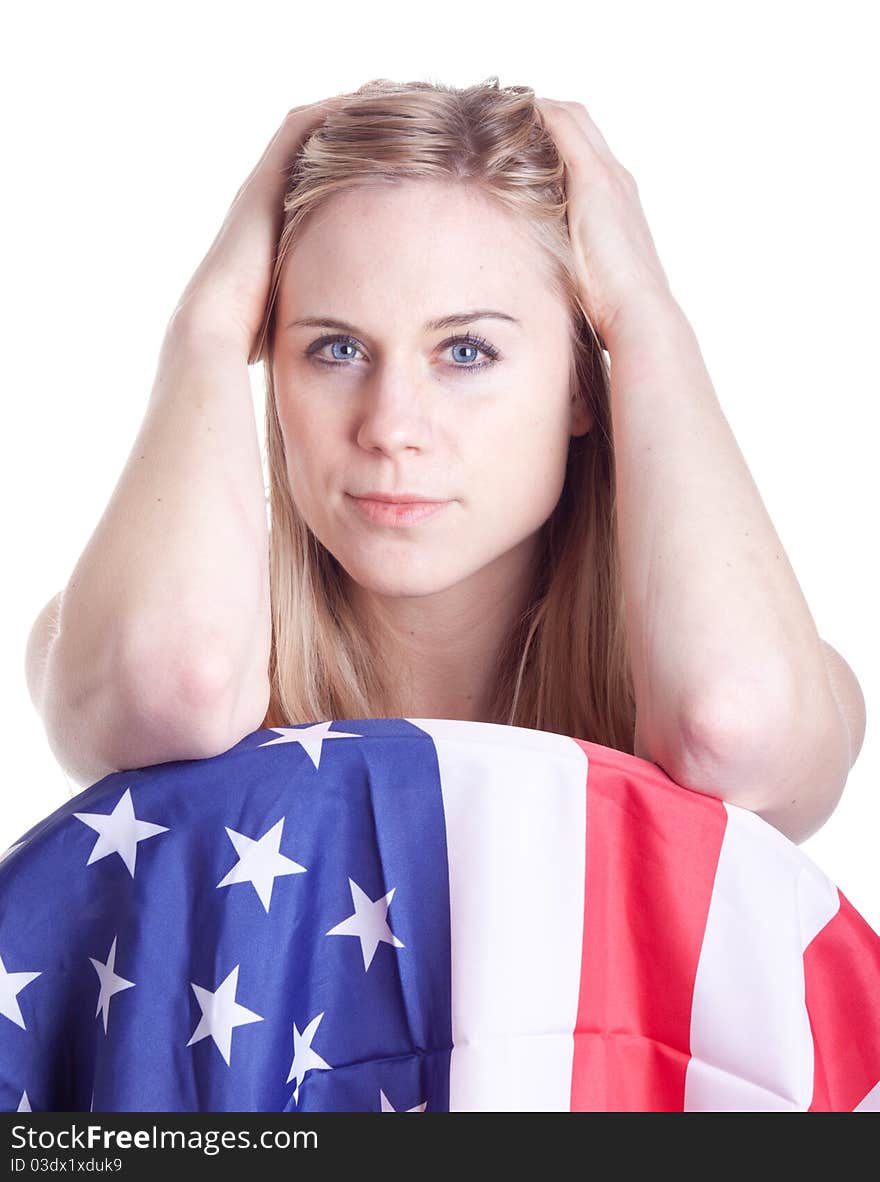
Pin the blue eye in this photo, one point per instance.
(469, 341)
(342, 342)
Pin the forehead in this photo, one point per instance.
(431, 237)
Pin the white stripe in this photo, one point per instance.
(871, 1102)
(515, 829)
(751, 1041)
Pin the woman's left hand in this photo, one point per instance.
(617, 262)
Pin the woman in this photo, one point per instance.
(432, 310)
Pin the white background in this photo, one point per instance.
(750, 129)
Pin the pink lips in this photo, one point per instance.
(401, 513)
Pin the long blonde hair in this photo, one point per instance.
(565, 666)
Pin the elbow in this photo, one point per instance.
(146, 709)
(727, 740)
(184, 698)
(782, 757)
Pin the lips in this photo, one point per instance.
(405, 498)
(396, 513)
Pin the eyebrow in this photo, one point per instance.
(453, 320)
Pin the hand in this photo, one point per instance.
(617, 262)
(226, 297)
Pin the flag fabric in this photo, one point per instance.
(426, 915)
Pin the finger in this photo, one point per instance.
(268, 175)
(567, 120)
(296, 125)
(585, 119)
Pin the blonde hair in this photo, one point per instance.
(565, 665)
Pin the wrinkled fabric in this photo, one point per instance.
(426, 915)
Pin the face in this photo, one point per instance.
(394, 405)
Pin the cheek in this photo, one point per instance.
(519, 480)
(302, 440)
(528, 455)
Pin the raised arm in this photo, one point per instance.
(735, 696)
(158, 647)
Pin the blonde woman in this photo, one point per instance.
(456, 299)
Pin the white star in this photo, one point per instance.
(220, 1013)
(12, 984)
(387, 1106)
(304, 1058)
(24, 1104)
(311, 737)
(119, 832)
(111, 982)
(259, 862)
(369, 922)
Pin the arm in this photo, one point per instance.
(42, 634)
(849, 697)
(158, 647)
(733, 691)
(161, 646)
(733, 695)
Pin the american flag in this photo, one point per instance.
(426, 915)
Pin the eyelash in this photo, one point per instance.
(468, 338)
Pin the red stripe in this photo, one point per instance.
(652, 850)
(841, 975)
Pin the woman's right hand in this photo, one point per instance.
(226, 298)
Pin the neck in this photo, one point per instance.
(441, 649)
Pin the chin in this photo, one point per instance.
(389, 579)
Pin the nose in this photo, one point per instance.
(393, 414)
